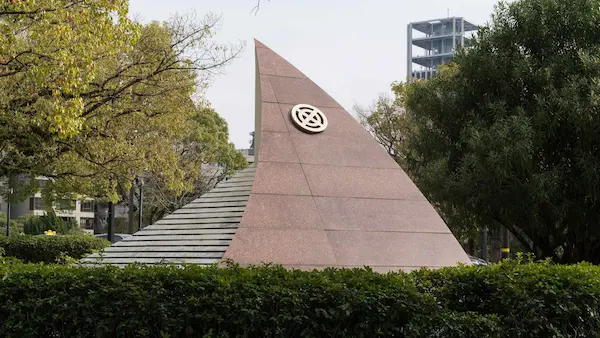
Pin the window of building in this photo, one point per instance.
(86, 223)
(35, 203)
(66, 205)
(87, 206)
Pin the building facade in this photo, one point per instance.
(80, 211)
(433, 42)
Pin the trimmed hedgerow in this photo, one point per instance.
(50, 249)
(64, 301)
(39, 300)
(529, 300)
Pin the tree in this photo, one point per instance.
(386, 120)
(207, 157)
(507, 135)
(131, 109)
(49, 51)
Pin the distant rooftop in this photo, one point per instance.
(425, 26)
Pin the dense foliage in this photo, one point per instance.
(15, 227)
(35, 225)
(91, 99)
(50, 249)
(506, 300)
(506, 136)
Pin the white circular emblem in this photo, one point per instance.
(308, 118)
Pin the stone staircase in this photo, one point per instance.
(198, 233)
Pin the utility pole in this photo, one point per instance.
(111, 222)
(10, 192)
(140, 202)
(505, 243)
(483, 242)
(130, 211)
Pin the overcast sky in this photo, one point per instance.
(353, 49)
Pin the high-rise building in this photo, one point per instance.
(433, 42)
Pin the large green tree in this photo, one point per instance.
(103, 101)
(508, 134)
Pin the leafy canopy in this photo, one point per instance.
(508, 133)
(92, 100)
(49, 55)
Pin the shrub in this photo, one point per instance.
(530, 300)
(450, 324)
(35, 225)
(506, 300)
(66, 301)
(50, 249)
(15, 227)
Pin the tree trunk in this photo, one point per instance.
(471, 246)
(496, 244)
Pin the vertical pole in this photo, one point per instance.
(462, 32)
(505, 243)
(10, 192)
(140, 206)
(7, 218)
(409, 53)
(111, 222)
(453, 35)
(130, 211)
(484, 241)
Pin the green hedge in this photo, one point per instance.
(530, 300)
(35, 225)
(506, 300)
(50, 249)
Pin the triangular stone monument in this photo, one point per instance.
(322, 193)
(325, 193)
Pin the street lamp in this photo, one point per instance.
(8, 212)
(140, 184)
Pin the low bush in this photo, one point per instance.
(15, 227)
(50, 249)
(506, 300)
(529, 300)
(66, 301)
(35, 225)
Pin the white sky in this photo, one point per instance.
(353, 49)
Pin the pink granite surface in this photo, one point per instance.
(273, 211)
(379, 215)
(334, 198)
(280, 178)
(277, 147)
(281, 246)
(272, 119)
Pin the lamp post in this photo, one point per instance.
(111, 222)
(8, 212)
(140, 183)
